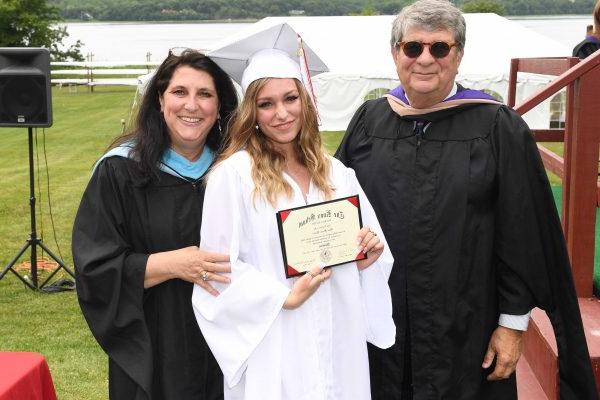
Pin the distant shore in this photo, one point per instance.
(251, 20)
(199, 21)
(553, 16)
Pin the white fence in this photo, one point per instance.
(95, 73)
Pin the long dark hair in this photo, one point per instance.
(150, 136)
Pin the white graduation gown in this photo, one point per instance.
(315, 352)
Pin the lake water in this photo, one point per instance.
(133, 41)
(566, 29)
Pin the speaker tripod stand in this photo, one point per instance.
(33, 242)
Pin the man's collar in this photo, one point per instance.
(452, 93)
(457, 96)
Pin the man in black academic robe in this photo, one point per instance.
(586, 47)
(591, 43)
(466, 207)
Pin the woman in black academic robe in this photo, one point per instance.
(136, 234)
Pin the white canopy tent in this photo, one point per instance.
(357, 51)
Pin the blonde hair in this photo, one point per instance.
(267, 162)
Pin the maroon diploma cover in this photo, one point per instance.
(322, 234)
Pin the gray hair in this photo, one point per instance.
(430, 15)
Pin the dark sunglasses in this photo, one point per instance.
(413, 49)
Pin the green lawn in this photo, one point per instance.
(84, 124)
(52, 324)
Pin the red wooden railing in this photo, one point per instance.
(578, 167)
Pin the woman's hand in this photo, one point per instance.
(189, 264)
(368, 243)
(305, 286)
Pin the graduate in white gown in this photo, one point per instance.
(276, 338)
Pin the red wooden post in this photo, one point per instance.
(567, 156)
(512, 82)
(580, 212)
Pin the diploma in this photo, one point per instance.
(322, 234)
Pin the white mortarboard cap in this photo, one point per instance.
(270, 63)
(236, 55)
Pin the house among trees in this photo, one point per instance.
(86, 16)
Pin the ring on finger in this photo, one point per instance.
(323, 277)
(204, 275)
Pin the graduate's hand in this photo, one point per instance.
(305, 286)
(189, 264)
(368, 243)
(505, 346)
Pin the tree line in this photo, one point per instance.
(174, 10)
(34, 23)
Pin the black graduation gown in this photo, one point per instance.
(585, 48)
(471, 222)
(155, 347)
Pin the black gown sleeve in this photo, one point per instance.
(110, 276)
(514, 239)
(355, 142)
(531, 252)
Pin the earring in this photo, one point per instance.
(219, 122)
(256, 128)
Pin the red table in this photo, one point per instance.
(25, 376)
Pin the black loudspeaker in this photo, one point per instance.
(25, 95)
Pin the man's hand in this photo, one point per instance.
(505, 345)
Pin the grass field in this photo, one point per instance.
(52, 324)
(84, 124)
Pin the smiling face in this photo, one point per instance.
(278, 111)
(427, 80)
(190, 107)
